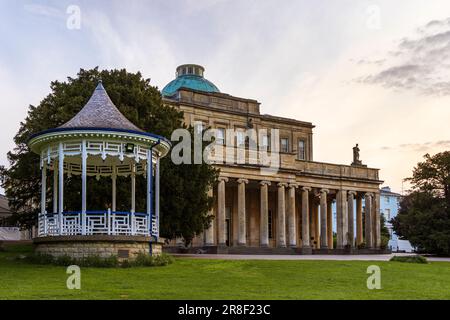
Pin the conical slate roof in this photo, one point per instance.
(100, 112)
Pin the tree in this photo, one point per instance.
(184, 201)
(424, 215)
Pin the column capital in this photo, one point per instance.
(282, 184)
(241, 180)
(293, 185)
(225, 179)
(306, 188)
(324, 191)
(351, 193)
(265, 182)
(368, 194)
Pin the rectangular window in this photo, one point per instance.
(265, 142)
(220, 136)
(240, 139)
(301, 150)
(284, 145)
(199, 127)
(387, 214)
(388, 199)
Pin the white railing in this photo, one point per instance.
(96, 222)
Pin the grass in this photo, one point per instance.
(225, 279)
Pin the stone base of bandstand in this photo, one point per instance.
(269, 250)
(103, 246)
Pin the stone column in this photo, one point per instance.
(330, 223)
(281, 221)
(305, 218)
(264, 215)
(221, 211)
(323, 219)
(350, 209)
(315, 215)
(376, 222)
(359, 224)
(368, 219)
(209, 233)
(341, 219)
(291, 216)
(242, 220)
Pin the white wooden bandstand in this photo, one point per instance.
(98, 142)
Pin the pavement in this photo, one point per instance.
(361, 257)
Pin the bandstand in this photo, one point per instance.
(98, 142)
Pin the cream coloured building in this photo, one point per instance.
(288, 210)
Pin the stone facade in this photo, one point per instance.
(78, 247)
(290, 208)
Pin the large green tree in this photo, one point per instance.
(424, 215)
(184, 200)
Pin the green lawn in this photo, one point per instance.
(220, 279)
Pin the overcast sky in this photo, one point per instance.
(369, 72)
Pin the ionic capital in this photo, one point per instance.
(264, 183)
(324, 191)
(224, 179)
(282, 184)
(368, 194)
(307, 189)
(351, 193)
(242, 181)
(293, 185)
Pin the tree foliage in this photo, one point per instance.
(184, 201)
(424, 215)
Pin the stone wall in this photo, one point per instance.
(79, 247)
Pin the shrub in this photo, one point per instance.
(409, 259)
(142, 260)
(362, 245)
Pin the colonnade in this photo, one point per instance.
(316, 220)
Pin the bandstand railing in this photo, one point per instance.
(105, 222)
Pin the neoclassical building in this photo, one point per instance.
(288, 210)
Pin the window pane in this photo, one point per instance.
(284, 145)
(301, 150)
(220, 132)
(240, 139)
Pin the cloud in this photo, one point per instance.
(419, 147)
(43, 10)
(420, 63)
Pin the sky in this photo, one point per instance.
(367, 72)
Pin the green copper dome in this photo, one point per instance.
(189, 76)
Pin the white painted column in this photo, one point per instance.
(157, 196)
(83, 186)
(291, 221)
(324, 219)
(60, 186)
(43, 217)
(281, 213)
(133, 198)
(221, 218)
(149, 189)
(264, 215)
(55, 186)
(359, 224)
(242, 219)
